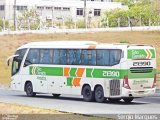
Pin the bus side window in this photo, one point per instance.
(103, 57)
(32, 57)
(70, 57)
(56, 56)
(78, 57)
(93, 59)
(88, 57)
(45, 56)
(115, 56)
(85, 57)
(74, 57)
(63, 57)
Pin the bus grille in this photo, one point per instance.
(114, 87)
(141, 69)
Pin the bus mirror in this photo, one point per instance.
(8, 59)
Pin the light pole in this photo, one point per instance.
(52, 16)
(15, 24)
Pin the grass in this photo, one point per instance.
(7, 108)
(9, 43)
(47, 114)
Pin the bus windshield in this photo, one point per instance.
(17, 61)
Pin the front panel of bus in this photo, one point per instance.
(16, 83)
(140, 79)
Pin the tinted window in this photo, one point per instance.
(16, 64)
(33, 56)
(45, 56)
(103, 57)
(115, 56)
(74, 57)
(99, 57)
(88, 57)
(56, 56)
(59, 56)
(63, 57)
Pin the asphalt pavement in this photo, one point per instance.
(75, 104)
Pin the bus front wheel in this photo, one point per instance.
(99, 94)
(128, 100)
(29, 90)
(88, 95)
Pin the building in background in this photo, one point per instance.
(57, 9)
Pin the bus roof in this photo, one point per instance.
(79, 44)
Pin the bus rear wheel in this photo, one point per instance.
(29, 90)
(88, 95)
(99, 94)
(128, 100)
(56, 95)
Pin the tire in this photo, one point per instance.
(128, 100)
(56, 95)
(114, 100)
(88, 95)
(29, 90)
(99, 94)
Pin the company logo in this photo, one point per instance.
(136, 54)
(136, 82)
(141, 54)
(38, 71)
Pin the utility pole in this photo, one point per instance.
(85, 20)
(15, 19)
(52, 16)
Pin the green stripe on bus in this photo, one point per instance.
(69, 81)
(90, 73)
(117, 73)
(106, 73)
(153, 53)
(139, 53)
(73, 72)
(50, 71)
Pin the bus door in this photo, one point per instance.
(16, 77)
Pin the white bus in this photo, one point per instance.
(96, 71)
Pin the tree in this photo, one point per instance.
(129, 3)
(69, 22)
(29, 19)
(2, 24)
(143, 12)
(114, 16)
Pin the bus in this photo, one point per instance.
(97, 71)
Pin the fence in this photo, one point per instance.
(56, 30)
